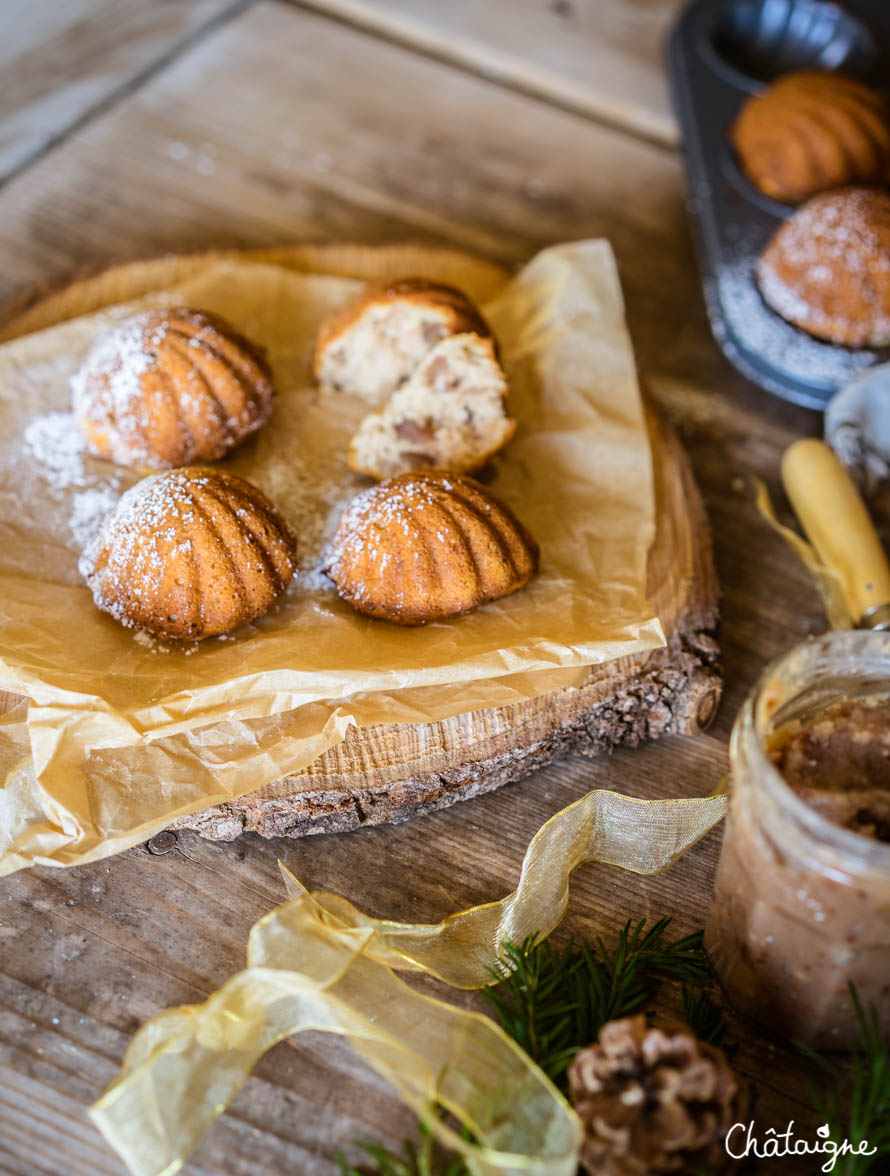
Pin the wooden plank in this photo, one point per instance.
(334, 134)
(288, 126)
(600, 57)
(59, 62)
(165, 930)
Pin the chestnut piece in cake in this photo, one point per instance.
(422, 547)
(170, 387)
(811, 131)
(827, 268)
(371, 346)
(449, 415)
(190, 553)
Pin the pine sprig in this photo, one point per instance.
(539, 999)
(554, 1002)
(423, 1159)
(863, 1111)
(705, 1017)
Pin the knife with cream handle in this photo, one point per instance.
(838, 525)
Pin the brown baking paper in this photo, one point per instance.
(123, 733)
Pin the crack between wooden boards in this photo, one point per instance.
(129, 86)
(368, 19)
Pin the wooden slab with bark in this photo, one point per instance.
(391, 772)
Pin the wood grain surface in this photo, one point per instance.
(600, 57)
(59, 62)
(296, 126)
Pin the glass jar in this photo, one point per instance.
(801, 906)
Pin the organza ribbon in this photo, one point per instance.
(826, 581)
(317, 962)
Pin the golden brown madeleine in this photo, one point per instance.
(190, 553)
(827, 268)
(422, 547)
(811, 131)
(170, 387)
(373, 344)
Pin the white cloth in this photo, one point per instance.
(857, 427)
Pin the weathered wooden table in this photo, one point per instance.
(130, 129)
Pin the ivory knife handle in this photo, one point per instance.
(838, 525)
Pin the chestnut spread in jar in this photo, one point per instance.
(839, 763)
(801, 904)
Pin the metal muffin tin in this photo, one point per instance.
(719, 52)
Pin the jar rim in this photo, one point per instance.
(866, 850)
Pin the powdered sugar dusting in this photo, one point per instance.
(312, 505)
(126, 419)
(54, 441)
(388, 505)
(148, 528)
(155, 645)
(56, 447)
(107, 389)
(144, 568)
(89, 509)
(117, 360)
(744, 324)
(315, 579)
(398, 519)
(764, 334)
(827, 268)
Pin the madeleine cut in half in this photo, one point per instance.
(423, 547)
(170, 387)
(371, 346)
(189, 554)
(450, 415)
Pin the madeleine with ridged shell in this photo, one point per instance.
(426, 546)
(170, 387)
(190, 553)
(810, 131)
(827, 268)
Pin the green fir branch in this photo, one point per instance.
(423, 1159)
(705, 1017)
(855, 1103)
(554, 1001)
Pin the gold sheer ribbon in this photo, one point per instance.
(317, 962)
(826, 581)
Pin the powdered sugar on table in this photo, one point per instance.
(55, 443)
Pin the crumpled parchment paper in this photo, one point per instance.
(122, 733)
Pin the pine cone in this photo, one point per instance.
(652, 1102)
